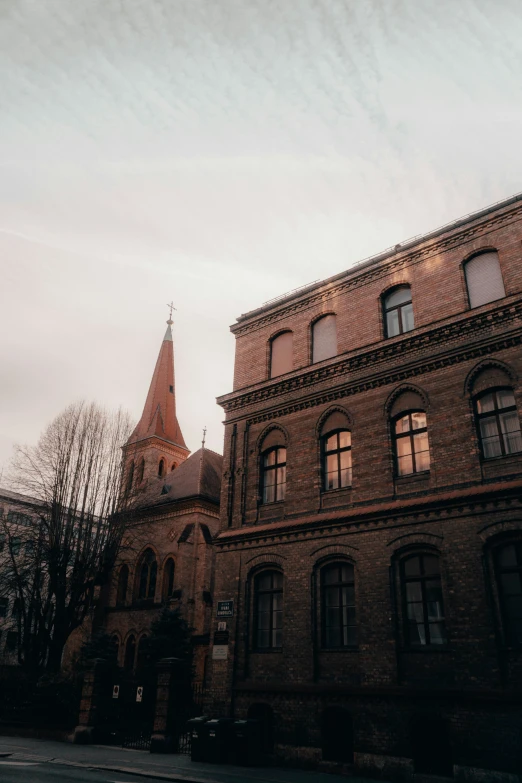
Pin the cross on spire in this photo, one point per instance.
(204, 437)
(171, 307)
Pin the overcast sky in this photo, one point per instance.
(220, 153)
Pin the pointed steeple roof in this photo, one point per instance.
(159, 414)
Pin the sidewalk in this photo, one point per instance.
(163, 767)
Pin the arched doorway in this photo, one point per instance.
(337, 735)
(431, 746)
(265, 715)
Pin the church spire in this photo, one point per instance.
(159, 414)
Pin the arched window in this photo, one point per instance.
(115, 644)
(168, 578)
(123, 581)
(268, 610)
(141, 660)
(424, 622)
(130, 653)
(324, 338)
(412, 452)
(174, 466)
(281, 354)
(130, 477)
(337, 459)
(508, 567)
(498, 423)
(140, 471)
(147, 571)
(338, 605)
(398, 311)
(484, 279)
(273, 474)
(161, 468)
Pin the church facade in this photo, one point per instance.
(369, 562)
(166, 558)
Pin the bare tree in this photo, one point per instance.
(55, 565)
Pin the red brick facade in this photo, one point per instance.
(463, 692)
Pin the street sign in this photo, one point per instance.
(225, 608)
(139, 693)
(115, 691)
(222, 626)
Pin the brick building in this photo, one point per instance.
(17, 530)
(371, 511)
(167, 555)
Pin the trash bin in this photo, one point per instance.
(197, 738)
(218, 739)
(247, 743)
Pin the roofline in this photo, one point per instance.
(375, 259)
(9, 494)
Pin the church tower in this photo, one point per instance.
(156, 447)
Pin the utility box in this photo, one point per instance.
(218, 740)
(197, 738)
(247, 743)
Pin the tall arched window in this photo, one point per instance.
(268, 610)
(508, 567)
(168, 579)
(130, 653)
(412, 452)
(161, 468)
(147, 571)
(337, 459)
(398, 311)
(498, 423)
(324, 338)
(281, 354)
(423, 607)
(274, 474)
(141, 659)
(115, 644)
(123, 581)
(484, 279)
(338, 605)
(140, 471)
(130, 477)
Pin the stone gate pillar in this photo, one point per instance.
(91, 704)
(168, 670)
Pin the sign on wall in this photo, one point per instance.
(220, 652)
(225, 608)
(115, 691)
(139, 693)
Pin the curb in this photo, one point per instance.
(137, 772)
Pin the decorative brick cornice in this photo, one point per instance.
(449, 332)
(506, 496)
(388, 265)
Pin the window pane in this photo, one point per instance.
(418, 420)
(484, 279)
(281, 455)
(437, 633)
(281, 475)
(402, 425)
(345, 459)
(347, 573)
(416, 632)
(277, 579)
(281, 491)
(332, 637)
(345, 439)
(392, 323)
(263, 638)
(348, 615)
(514, 607)
(430, 564)
(348, 595)
(491, 447)
(405, 466)
(281, 354)
(488, 427)
(505, 398)
(507, 556)
(269, 494)
(346, 477)
(331, 597)
(332, 480)
(407, 318)
(412, 566)
(330, 575)
(403, 446)
(331, 443)
(486, 403)
(413, 591)
(350, 636)
(270, 458)
(264, 580)
(398, 296)
(511, 584)
(510, 426)
(278, 638)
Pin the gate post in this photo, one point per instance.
(91, 703)
(161, 741)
